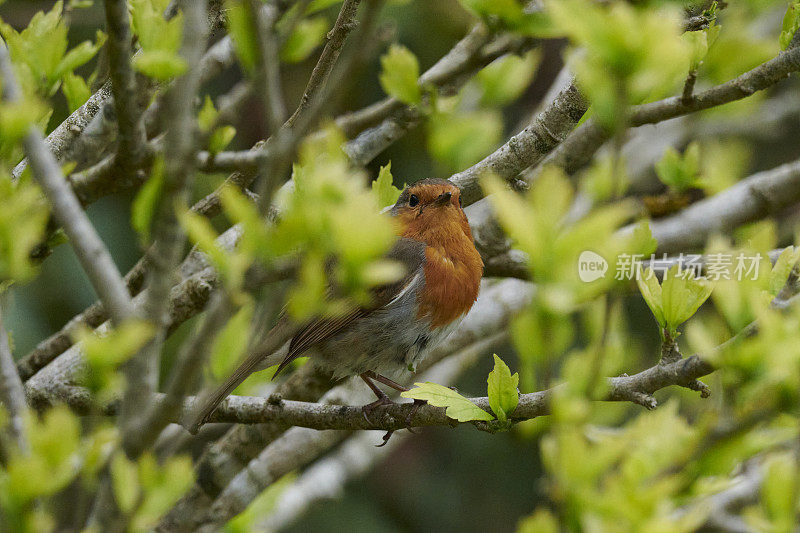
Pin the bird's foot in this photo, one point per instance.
(386, 437)
(368, 409)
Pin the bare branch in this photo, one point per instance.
(394, 119)
(65, 134)
(268, 74)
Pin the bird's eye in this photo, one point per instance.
(413, 200)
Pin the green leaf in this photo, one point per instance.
(699, 42)
(502, 389)
(461, 139)
(682, 295)
(106, 351)
(231, 266)
(651, 292)
(680, 172)
(79, 55)
(221, 138)
(782, 268)
(383, 187)
(162, 485)
(125, 482)
(207, 115)
(243, 33)
(790, 25)
(622, 54)
(75, 91)
(400, 73)
(146, 202)
(779, 490)
(249, 520)
(307, 35)
(153, 31)
(41, 46)
(505, 79)
(23, 218)
(458, 407)
(160, 65)
(319, 5)
(54, 440)
(512, 15)
(231, 343)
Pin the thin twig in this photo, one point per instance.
(344, 24)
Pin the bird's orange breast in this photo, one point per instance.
(453, 270)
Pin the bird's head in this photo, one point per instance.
(430, 208)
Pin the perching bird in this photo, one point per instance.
(407, 318)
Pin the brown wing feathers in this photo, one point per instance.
(409, 252)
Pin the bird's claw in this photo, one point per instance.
(370, 407)
(386, 437)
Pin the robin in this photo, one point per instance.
(407, 318)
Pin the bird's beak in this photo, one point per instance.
(443, 199)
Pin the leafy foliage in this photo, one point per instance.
(159, 38)
(23, 217)
(790, 25)
(40, 52)
(678, 297)
(502, 389)
(628, 54)
(105, 354)
(680, 172)
(383, 187)
(458, 407)
(607, 466)
(400, 71)
(308, 34)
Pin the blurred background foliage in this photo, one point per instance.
(461, 479)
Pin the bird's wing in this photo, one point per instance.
(410, 253)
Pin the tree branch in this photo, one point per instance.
(750, 199)
(123, 83)
(529, 146)
(268, 75)
(578, 149)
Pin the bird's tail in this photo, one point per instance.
(271, 354)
